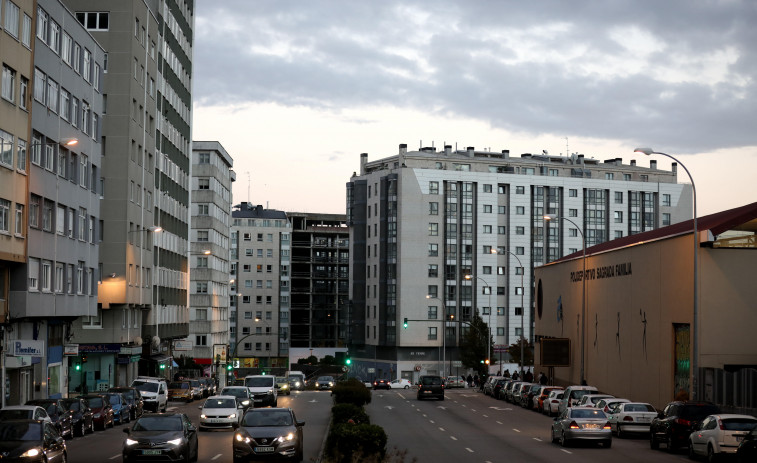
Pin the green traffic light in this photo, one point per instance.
(229, 367)
(77, 367)
(347, 361)
(162, 366)
(404, 325)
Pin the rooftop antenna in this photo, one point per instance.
(249, 198)
(567, 151)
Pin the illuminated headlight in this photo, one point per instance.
(331, 384)
(288, 437)
(285, 386)
(297, 384)
(31, 453)
(270, 391)
(203, 416)
(131, 441)
(232, 416)
(241, 438)
(245, 402)
(175, 442)
(317, 385)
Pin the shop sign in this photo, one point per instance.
(71, 350)
(182, 345)
(100, 348)
(28, 348)
(130, 350)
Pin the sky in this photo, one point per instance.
(296, 90)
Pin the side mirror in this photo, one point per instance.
(126, 430)
(191, 428)
(300, 423)
(661, 415)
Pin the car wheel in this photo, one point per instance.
(563, 440)
(197, 452)
(711, 455)
(64, 458)
(653, 444)
(82, 429)
(552, 435)
(619, 432)
(670, 447)
(407, 387)
(112, 421)
(692, 455)
(607, 444)
(92, 426)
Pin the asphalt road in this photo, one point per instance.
(468, 426)
(314, 407)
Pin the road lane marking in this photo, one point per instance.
(424, 415)
(567, 451)
(486, 416)
(431, 421)
(499, 422)
(388, 406)
(453, 437)
(441, 429)
(516, 430)
(537, 439)
(469, 449)
(474, 411)
(217, 456)
(114, 457)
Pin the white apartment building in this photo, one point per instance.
(422, 221)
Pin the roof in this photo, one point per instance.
(742, 218)
(249, 211)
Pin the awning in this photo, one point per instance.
(202, 361)
(160, 358)
(175, 365)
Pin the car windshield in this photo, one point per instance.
(72, 405)
(158, 423)
(15, 414)
(145, 386)
(638, 408)
(579, 393)
(431, 381)
(698, 412)
(259, 382)
(114, 399)
(50, 408)
(325, 378)
(220, 403)
(587, 413)
(128, 393)
(739, 424)
(178, 386)
(236, 392)
(95, 402)
(195, 383)
(267, 418)
(20, 431)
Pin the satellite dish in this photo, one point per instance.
(155, 341)
(138, 340)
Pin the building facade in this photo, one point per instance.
(209, 256)
(438, 235)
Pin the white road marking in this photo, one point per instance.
(469, 449)
(431, 421)
(499, 422)
(441, 429)
(453, 437)
(217, 456)
(474, 411)
(537, 439)
(567, 451)
(114, 457)
(516, 430)
(486, 416)
(443, 408)
(388, 406)
(463, 404)
(424, 415)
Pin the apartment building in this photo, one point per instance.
(438, 235)
(210, 270)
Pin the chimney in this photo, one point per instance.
(674, 167)
(580, 158)
(403, 148)
(652, 164)
(447, 150)
(470, 150)
(618, 161)
(633, 162)
(506, 154)
(363, 162)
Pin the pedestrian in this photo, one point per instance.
(470, 380)
(515, 376)
(543, 380)
(506, 374)
(528, 377)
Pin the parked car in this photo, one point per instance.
(121, 409)
(581, 424)
(528, 396)
(325, 382)
(133, 399)
(675, 423)
(154, 392)
(501, 393)
(489, 384)
(366, 383)
(552, 402)
(605, 404)
(23, 440)
(747, 451)
(381, 384)
(544, 395)
(508, 392)
(269, 433)
(166, 437)
(59, 414)
(719, 435)
(455, 381)
(82, 418)
(282, 383)
(573, 395)
(241, 394)
(518, 390)
(590, 400)
(400, 384)
(430, 386)
(498, 385)
(630, 417)
(219, 411)
(24, 412)
(102, 412)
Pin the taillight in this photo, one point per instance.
(573, 425)
(682, 422)
(720, 424)
(627, 418)
(607, 425)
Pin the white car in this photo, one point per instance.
(606, 404)
(631, 417)
(24, 412)
(590, 400)
(219, 411)
(552, 402)
(400, 384)
(720, 434)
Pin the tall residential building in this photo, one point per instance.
(16, 42)
(146, 175)
(260, 300)
(422, 221)
(210, 273)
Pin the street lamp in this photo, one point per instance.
(444, 333)
(489, 327)
(695, 317)
(549, 217)
(522, 308)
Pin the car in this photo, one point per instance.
(630, 417)
(102, 412)
(133, 398)
(528, 397)
(24, 412)
(180, 390)
(489, 384)
(590, 400)
(366, 383)
(507, 392)
(552, 402)
(59, 414)
(747, 451)
(31, 441)
(430, 386)
(455, 381)
(220, 411)
(719, 435)
(498, 387)
(262, 389)
(400, 384)
(675, 423)
(605, 404)
(154, 392)
(121, 408)
(282, 383)
(573, 395)
(325, 382)
(574, 424)
(198, 388)
(519, 391)
(381, 384)
(209, 386)
(543, 396)
(268, 433)
(241, 394)
(161, 437)
(296, 380)
(82, 418)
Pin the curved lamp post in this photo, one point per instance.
(489, 327)
(444, 334)
(695, 317)
(549, 217)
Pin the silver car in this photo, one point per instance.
(581, 424)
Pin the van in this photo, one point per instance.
(262, 390)
(154, 391)
(296, 380)
(573, 395)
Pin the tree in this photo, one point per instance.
(473, 347)
(528, 351)
(328, 360)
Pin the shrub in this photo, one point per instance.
(342, 413)
(346, 441)
(351, 391)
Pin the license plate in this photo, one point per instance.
(427, 392)
(215, 420)
(151, 452)
(591, 426)
(739, 438)
(263, 449)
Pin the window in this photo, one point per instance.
(39, 85)
(433, 270)
(11, 18)
(572, 232)
(60, 220)
(644, 178)
(431, 333)
(573, 193)
(19, 220)
(202, 262)
(83, 177)
(618, 234)
(42, 24)
(486, 250)
(203, 209)
(201, 339)
(520, 190)
(433, 229)
(9, 83)
(52, 95)
(665, 199)
(203, 183)
(204, 158)
(487, 188)
(54, 36)
(573, 212)
(520, 230)
(201, 287)
(519, 250)
(433, 250)
(5, 213)
(618, 197)
(26, 32)
(202, 235)
(433, 208)
(33, 274)
(23, 93)
(47, 215)
(665, 218)
(609, 175)
(6, 148)
(433, 291)
(47, 269)
(501, 230)
(433, 188)
(93, 21)
(618, 217)
(501, 209)
(520, 210)
(487, 229)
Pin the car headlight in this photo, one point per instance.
(175, 441)
(245, 402)
(288, 437)
(96, 415)
(131, 441)
(203, 416)
(242, 438)
(31, 453)
(232, 416)
(286, 386)
(331, 384)
(270, 391)
(297, 384)
(317, 385)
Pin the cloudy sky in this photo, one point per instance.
(296, 90)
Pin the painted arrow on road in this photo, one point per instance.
(388, 406)
(498, 408)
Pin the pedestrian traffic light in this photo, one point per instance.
(77, 366)
(162, 366)
(404, 325)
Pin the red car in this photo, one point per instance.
(381, 384)
(102, 411)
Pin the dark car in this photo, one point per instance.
(161, 437)
(430, 386)
(241, 394)
(381, 384)
(133, 398)
(81, 416)
(102, 412)
(747, 451)
(268, 433)
(31, 441)
(674, 424)
(58, 413)
(121, 408)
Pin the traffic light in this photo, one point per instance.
(77, 366)
(404, 325)
(229, 367)
(347, 361)
(486, 361)
(84, 358)
(162, 366)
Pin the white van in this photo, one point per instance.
(573, 395)
(296, 380)
(154, 392)
(262, 389)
